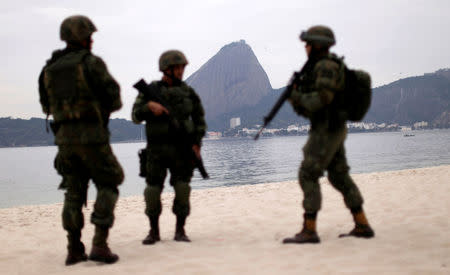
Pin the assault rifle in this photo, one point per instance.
(153, 94)
(284, 96)
(295, 81)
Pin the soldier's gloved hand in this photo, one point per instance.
(156, 108)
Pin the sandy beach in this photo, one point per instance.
(238, 230)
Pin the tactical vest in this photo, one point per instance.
(70, 97)
(181, 107)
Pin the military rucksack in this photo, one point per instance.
(357, 94)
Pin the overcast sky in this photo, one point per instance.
(390, 39)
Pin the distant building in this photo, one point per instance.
(249, 131)
(235, 121)
(420, 125)
(405, 128)
(291, 128)
(305, 128)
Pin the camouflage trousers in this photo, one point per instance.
(160, 158)
(325, 150)
(77, 164)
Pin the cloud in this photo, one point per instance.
(53, 13)
(383, 37)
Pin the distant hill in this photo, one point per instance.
(230, 80)
(125, 130)
(32, 132)
(412, 99)
(233, 84)
(405, 101)
(24, 132)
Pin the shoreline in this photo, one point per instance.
(238, 230)
(251, 137)
(168, 189)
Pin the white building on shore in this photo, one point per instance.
(234, 122)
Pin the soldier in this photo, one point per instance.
(167, 147)
(77, 89)
(315, 98)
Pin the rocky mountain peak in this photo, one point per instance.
(231, 79)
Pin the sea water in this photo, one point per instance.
(27, 176)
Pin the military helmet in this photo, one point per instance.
(76, 28)
(320, 35)
(170, 58)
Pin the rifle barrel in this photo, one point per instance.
(259, 133)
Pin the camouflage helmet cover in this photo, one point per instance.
(321, 35)
(76, 28)
(170, 58)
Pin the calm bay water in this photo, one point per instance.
(27, 176)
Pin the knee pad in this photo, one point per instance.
(107, 198)
(310, 170)
(105, 203)
(182, 189)
(72, 215)
(152, 195)
(181, 206)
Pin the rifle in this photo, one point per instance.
(154, 95)
(284, 96)
(296, 79)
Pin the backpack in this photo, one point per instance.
(357, 94)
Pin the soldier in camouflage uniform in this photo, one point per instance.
(77, 89)
(168, 148)
(320, 84)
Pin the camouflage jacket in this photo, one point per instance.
(186, 108)
(100, 97)
(318, 88)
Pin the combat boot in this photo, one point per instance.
(153, 235)
(308, 234)
(103, 254)
(100, 251)
(362, 228)
(76, 250)
(180, 234)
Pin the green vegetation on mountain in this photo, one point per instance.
(32, 132)
(413, 99)
(405, 101)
